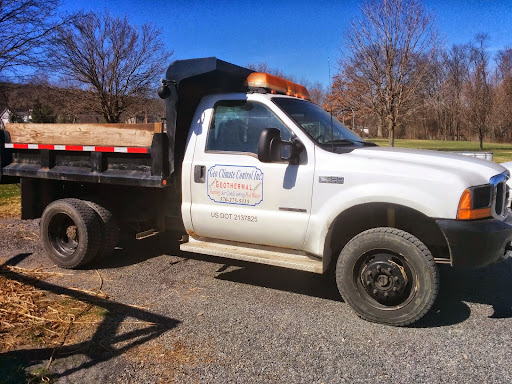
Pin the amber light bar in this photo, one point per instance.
(276, 84)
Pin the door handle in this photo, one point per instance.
(199, 173)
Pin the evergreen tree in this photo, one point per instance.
(42, 113)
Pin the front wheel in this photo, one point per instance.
(387, 276)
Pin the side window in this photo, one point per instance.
(236, 126)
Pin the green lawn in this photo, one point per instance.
(501, 152)
(10, 200)
(9, 190)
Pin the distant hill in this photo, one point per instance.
(69, 105)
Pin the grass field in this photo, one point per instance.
(8, 191)
(10, 194)
(10, 201)
(501, 152)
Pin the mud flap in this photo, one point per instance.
(5, 158)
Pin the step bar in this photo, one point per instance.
(286, 258)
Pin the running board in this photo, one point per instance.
(286, 258)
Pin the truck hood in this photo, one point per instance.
(469, 170)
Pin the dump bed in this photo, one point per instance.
(125, 154)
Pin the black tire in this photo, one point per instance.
(109, 229)
(70, 232)
(387, 276)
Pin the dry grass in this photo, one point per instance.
(178, 359)
(33, 318)
(10, 207)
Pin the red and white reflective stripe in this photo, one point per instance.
(81, 148)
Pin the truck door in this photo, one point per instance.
(234, 195)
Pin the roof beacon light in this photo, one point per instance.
(274, 84)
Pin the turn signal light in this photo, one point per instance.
(466, 210)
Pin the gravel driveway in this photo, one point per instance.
(187, 318)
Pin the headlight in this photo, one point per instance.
(475, 203)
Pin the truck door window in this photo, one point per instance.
(236, 126)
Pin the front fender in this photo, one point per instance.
(326, 210)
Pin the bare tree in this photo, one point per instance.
(316, 92)
(502, 108)
(352, 92)
(479, 89)
(25, 29)
(456, 64)
(114, 60)
(386, 47)
(265, 68)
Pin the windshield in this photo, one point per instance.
(317, 123)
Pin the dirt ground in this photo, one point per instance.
(48, 314)
(152, 314)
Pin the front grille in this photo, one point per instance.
(500, 199)
(482, 196)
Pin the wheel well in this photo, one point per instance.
(359, 218)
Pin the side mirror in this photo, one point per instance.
(271, 148)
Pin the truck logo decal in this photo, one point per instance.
(331, 179)
(235, 184)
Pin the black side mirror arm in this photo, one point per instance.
(296, 149)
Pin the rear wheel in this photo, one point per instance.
(70, 232)
(387, 276)
(109, 229)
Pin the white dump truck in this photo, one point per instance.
(249, 169)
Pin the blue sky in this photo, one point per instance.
(296, 37)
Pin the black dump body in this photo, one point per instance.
(187, 81)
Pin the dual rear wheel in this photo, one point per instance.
(74, 232)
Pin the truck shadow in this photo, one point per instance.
(108, 341)
(130, 251)
(488, 286)
(302, 283)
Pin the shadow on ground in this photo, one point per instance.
(131, 251)
(107, 342)
(490, 286)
